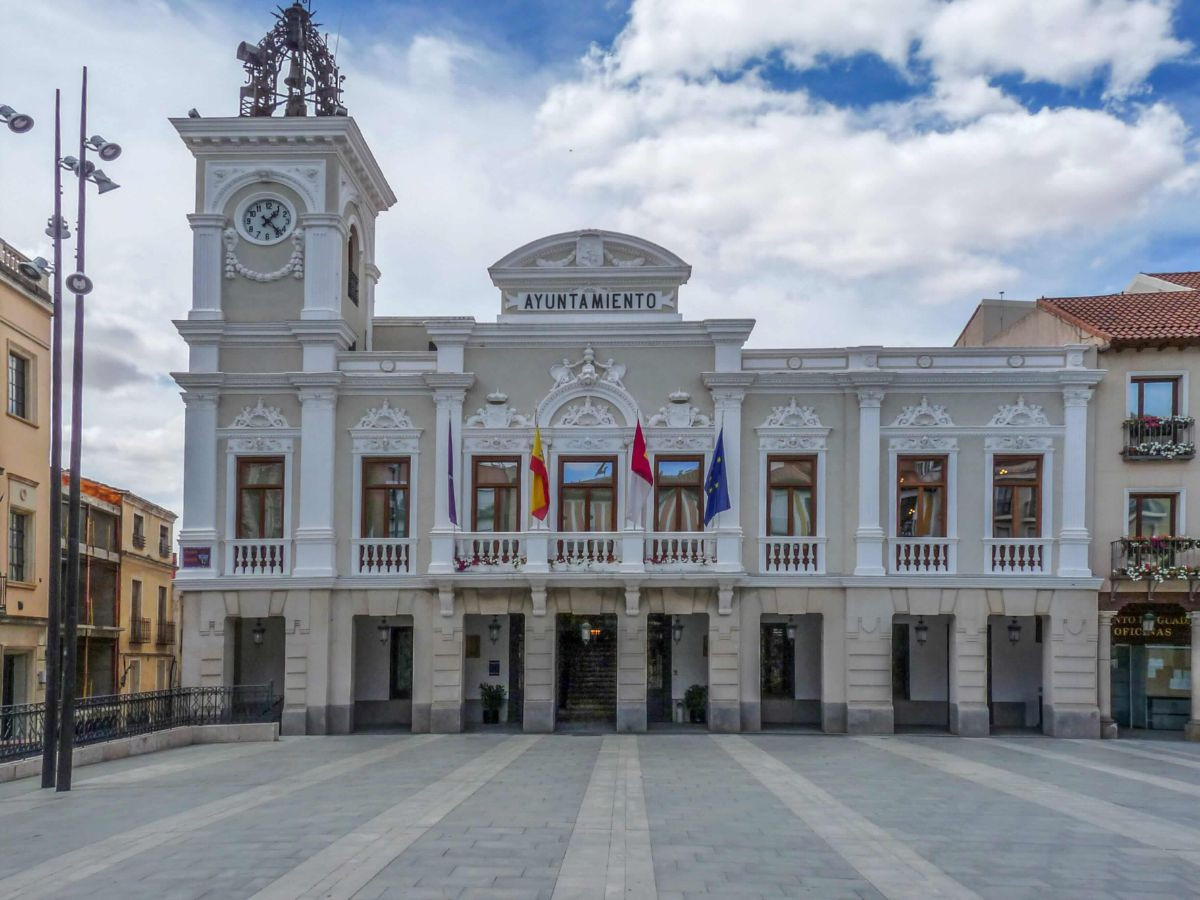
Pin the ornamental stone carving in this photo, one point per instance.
(923, 414)
(679, 441)
(497, 414)
(793, 442)
(924, 442)
(679, 413)
(260, 445)
(259, 416)
(385, 445)
(590, 371)
(1017, 442)
(233, 266)
(792, 416)
(497, 443)
(1019, 413)
(587, 414)
(385, 416)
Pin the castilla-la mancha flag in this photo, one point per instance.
(539, 488)
(641, 478)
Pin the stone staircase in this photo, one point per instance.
(592, 695)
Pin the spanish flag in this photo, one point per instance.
(539, 488)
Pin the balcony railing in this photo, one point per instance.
(792, 555)
(490, 551)
(921, 556)
(139, 631)
(382, 556)
(1017, 556)
(257, 556)
(680, 551)
(1156, 559)
(166, 634)
(1158, 438)
(592, 551)
(164, 549)
(139, 541)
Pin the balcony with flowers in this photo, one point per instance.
(1156, 559)
(1158, 438)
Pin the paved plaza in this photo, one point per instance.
(608, 816)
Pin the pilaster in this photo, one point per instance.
(1108, 728)
(207, 265)
(540, 678)
(199, 526)
(1073, 539)
(869, 662)
(728, 391)
(969, 715)
(315, 540)
(324, 242)
(446, 712)
(868, 537)
(1069, 682)
(724, 690)
(448, 394)
(631, 667)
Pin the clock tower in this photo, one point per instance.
(283, 282)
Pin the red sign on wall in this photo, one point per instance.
(197, 557)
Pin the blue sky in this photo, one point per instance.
(845, 173)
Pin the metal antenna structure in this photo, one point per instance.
(312, 73)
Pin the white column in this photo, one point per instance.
(449, 416)
(868, 538)
(1108, 728)
(1192, 730)
(199, 527)
(207, 265)
(1073, 539)
(315, 544)
(728, 391)
(324, 247)
(371, 275)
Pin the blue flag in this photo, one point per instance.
(716, 485)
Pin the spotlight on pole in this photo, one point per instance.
(106, 150)
(102, 181)
(78, 283)
(18, 123)
(36, 269)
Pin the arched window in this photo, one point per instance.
(352, 266)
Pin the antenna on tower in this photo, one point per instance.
(312, 73)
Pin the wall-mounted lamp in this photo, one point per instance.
(1149, 621)
(585, 631)
(791, 628)
(1014, 631)
(921, 630)
(677, 629)
(257, 633)
(385, 631)
(494, 629)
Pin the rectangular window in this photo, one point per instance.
(778, 661)
(385, 498)
(260, 498)
(1152, 515)
(100, 530)
(135, 600)
(18, 385)
(164, 540)
(139, 531)
(1154, 395)
(921, 496)
(1017, 497)
(791, 496)
(497, 486)
(401, 663)
(162, 604)
(587, 492)
(20, 564)
(678, 494)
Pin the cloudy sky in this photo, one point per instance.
(846, 173)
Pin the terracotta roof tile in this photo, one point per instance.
(1187, 279)
(1166, 317)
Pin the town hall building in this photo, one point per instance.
(906, 543)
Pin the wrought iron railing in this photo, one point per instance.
(1159, 437)
(1156, 559)
(125, 715)
(139, 541)
(166, 633)
(139, 630)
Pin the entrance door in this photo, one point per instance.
(587, 668)
(658, 668)
(516, 667)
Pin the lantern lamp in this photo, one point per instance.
(791, 628)
(1149, 621)
(922, 631)
(385, 631)
(257, 633)
(1014, 631)
(494, 629)
(677, 629)
(585, 631)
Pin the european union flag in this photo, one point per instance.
(716, 486)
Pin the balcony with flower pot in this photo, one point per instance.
(1158, 438)
(1155, 560)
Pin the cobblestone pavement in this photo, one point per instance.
(616, 816)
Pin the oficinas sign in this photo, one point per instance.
(589, 301)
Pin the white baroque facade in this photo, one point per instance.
(907, 542)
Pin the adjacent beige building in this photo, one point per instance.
(25, 334)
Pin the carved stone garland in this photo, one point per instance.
(256, 418)
(233, 266)
(259, 416)
(1019, 414)
(792, 427)
(394, 431)
(923, 414)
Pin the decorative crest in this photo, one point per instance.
(587, 413)
(923, 414)
(312, 75)
(792, 416)
(385, 416)
(590, 371)
(497, 414)
(679, 413)
(1019, 414)
(259, 416)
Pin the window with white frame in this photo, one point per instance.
(922, 485)
(1017, 496)
(791, 496)
(385, 499)
(260, 497)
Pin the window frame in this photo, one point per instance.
(28, 395)
(517, 488)
(1176, 498)
(282, 487)
(659, 486)
(27, 545)
(944, 484)
(814, 460)
(164, 613)
(999, 459)
(135, 599)
(1142, 378)
(561, 490)
(390, 486)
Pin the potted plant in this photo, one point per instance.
(696, 701)
(493, 698)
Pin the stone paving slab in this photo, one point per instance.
(497, 815)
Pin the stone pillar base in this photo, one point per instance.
(1191, 731)
(833, 718)
(724, 717)
(970, 720)
(316, 720)
(446, 719)
(1108, 729)
(538, 717)
(293, 722)
(865, 718)
(339, 719)
(1072, 723)
(631, 717)
(420, 718)
(751, 715)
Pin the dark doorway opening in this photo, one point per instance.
(587, 670)
(659, 705)
(516, 668)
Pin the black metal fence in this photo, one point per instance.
(1156, 559)
(125, 715)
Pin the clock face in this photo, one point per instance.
(266, 220)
